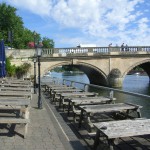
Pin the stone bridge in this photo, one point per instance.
(103, 65)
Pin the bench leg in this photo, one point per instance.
(96, 141)
(12, 129)
(26, 129)
(111, 144)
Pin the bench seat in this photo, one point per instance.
(10, 120)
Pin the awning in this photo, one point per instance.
(2, 60)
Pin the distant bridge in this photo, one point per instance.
(103, 65)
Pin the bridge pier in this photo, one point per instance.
(115, 82)
(114, 78)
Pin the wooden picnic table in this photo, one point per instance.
(66, 96)
(113, 130)
(18, 82)
(14, 89)
(15, 85)
(57, 92)
(51, 89)
(15, 101)
(74, 102)
(19, 94)
(109, 108)
(20, 104)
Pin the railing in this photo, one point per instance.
(85, 87)
(95, 50)
(120, 95)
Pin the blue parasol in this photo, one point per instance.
(2, 59)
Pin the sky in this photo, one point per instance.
(100, 22)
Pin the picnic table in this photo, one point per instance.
(52, 89)
(56, 92)
(66, 96)
(17, 82)
(22, 105)
(15, 85)
(14, 89)
(113, 130)
(48, 86)
(75, 102)
(17, 94)
(125, 108)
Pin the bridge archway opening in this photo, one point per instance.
(143, 69)
(95, 76)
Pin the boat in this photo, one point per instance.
(137, 73)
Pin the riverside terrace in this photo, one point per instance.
(136, 136)
(52, 129)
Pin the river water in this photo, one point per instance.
(131, 83)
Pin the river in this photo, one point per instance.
(132, 83)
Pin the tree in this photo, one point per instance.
(9, 21)
(47, 43)
(20, 36)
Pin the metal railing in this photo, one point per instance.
(85, 87)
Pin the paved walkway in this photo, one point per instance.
(44, 132)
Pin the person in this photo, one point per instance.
(126, 48)
(122, 47)
(110, 45)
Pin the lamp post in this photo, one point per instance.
(39, 52)
(34, 34)
(34, 60)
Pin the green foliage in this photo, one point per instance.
(16, 71)
(47, 43)
(10, 21)
(69, 68)
(65, 68)
(22, 70)
(10, 69)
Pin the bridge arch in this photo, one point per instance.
(50, 67)
(94, 74)
(143, 64)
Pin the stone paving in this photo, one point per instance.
(43, 133)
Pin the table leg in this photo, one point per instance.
(69, 106)
(111, 143)
(139, 113)
(96, 141)
(81, 118)
(60, 101)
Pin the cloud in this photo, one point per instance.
(39, 7)
(106, 20)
